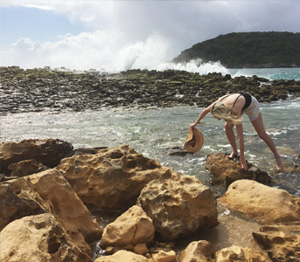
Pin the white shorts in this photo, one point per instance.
(253, 110)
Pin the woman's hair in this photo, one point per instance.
(219, 110)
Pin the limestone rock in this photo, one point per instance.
(14, 206)
(141, 249)
(122, 256)
(226, 171)
(178, 205)
(47, 151)
(131, 228)
(111, 178)
(261, 202)
(197, 251)
(51, 191)
(38, 238)
(26, 167)
(164, 256)
(236, 253)
(281, 241)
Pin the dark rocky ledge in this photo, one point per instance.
(34, 90)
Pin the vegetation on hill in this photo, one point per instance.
(248, 50)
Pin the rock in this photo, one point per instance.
(47, 151)
(164, 256)
(226, 171)
(38, 238)
(14, 205)
(112, 178)
(131, 228)
(197, 251)
(26, 167)
(178, 205)
(122, 256)
(50, 191)
(261, 202)
(281, 241)
(236, 253)
(141, 249)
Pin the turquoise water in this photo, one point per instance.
(154, 132)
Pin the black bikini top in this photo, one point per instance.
(247, 97)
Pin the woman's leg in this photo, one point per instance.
(231, 138)
(260, 129)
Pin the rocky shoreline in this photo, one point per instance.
(114, 204)
(35, 90)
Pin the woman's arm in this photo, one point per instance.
(202, 115)
(239, 131)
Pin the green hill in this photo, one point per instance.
(248, 50)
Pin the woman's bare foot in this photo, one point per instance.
(233, 155)
(279, 164)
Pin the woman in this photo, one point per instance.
(230, 108)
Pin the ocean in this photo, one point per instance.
(157, 133)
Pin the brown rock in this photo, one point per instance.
(47, 151)
(281, 241)
(26, 167)
(122, 256)
(261, 202)
(236, 253)
(38, 238)
(51, 191)
(164, 256)
(178, 205)
(226, 171)
(141, 249)
(131, 228)
(197, 251)
(112, 178)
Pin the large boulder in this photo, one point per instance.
(111, 178)
(261, 202)
(26, 167)
(197, 251)
(131, 228)
(226, 171)
(51, 192)
(123, 256)
(282, 242)
(49, 152)
(38, 238)
(178, 205)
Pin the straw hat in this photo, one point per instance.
(194, 140)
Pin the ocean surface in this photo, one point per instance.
(157, 132)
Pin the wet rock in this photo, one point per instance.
(131, 228)
(49, 152)
(281, 241)
(197, 251)
(226, 171)
(49, 191)
(38, 238)
(178, 205)
(236, 253)
(122, 255)
(26, 167)
(263, 203)
(112, 178)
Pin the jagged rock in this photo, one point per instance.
(178, 205)
(122, 256)
(47, 151)
(50, 191)
(131, 228)
(164, 256)
(112, 178)
(236, 254)
(26, 167)
(226, 171)
(38, 238)
(197, 251)
(261, 202)
(282, 242)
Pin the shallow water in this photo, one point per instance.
(153, 132)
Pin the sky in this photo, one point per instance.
(118, 35)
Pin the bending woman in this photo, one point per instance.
(230, 108)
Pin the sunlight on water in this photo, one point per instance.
(154, 132)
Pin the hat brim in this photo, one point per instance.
(194, 140)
